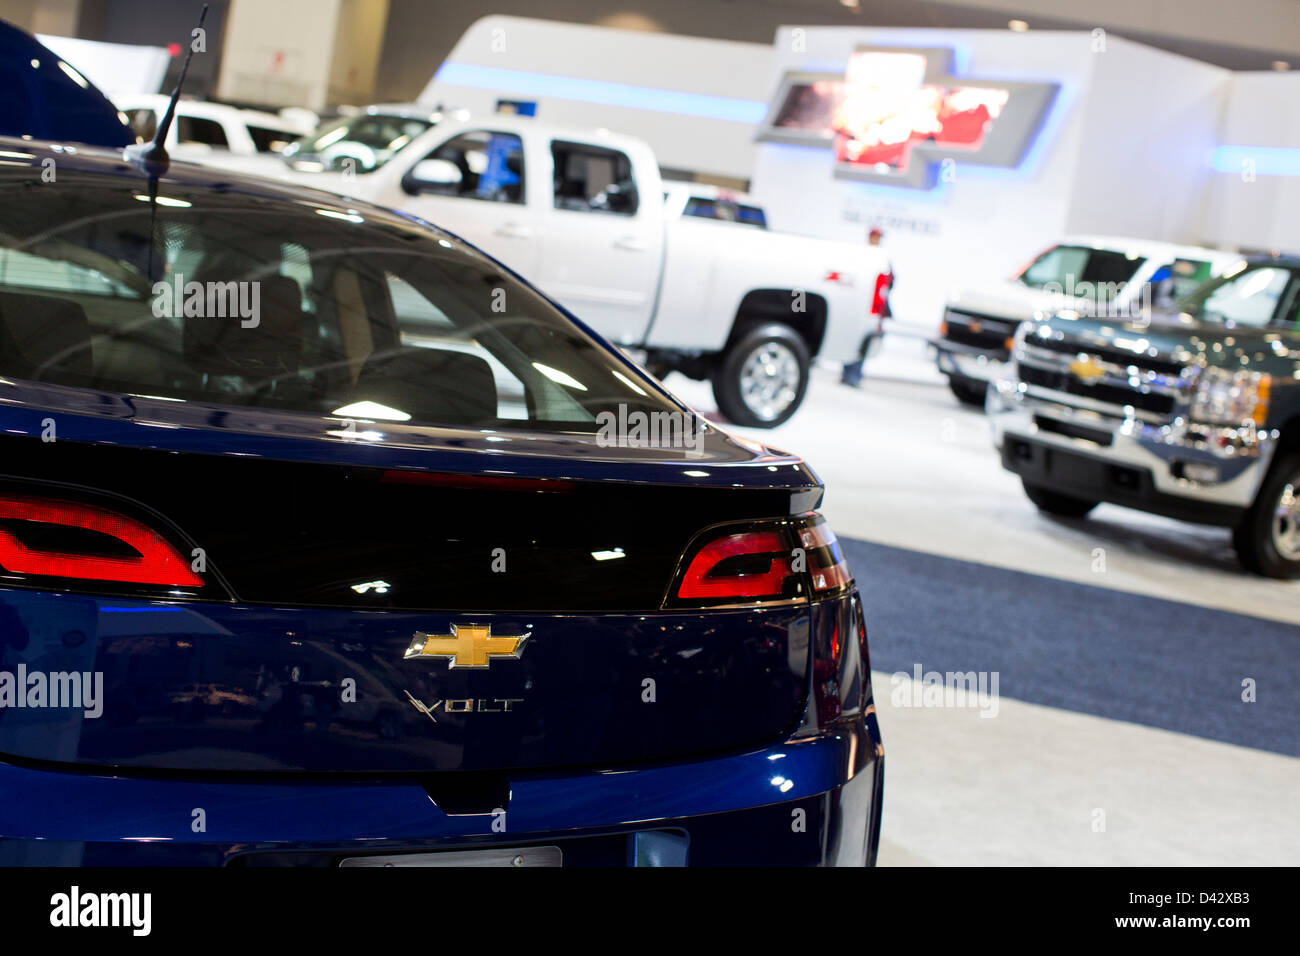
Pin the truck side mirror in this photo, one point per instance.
(432, 175)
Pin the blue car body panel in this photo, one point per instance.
(42, 101)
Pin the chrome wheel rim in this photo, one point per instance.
(1286, 521)
(769, 380)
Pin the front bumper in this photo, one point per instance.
(809, 801)
(1130, 462)
(967, 362)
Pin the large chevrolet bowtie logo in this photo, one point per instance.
(897, 112)
(468, 645)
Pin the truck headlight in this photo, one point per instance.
(1227, 397)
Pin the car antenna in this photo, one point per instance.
(152, 156)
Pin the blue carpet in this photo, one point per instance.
(1087, 649)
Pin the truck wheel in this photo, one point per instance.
(1268, 538)
(762, 379)
(967, 393)
(1055, 503)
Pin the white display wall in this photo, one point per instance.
(1255, 194)
(697, 102)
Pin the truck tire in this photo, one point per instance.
(1268, 538)
(968, 393)
(762, 378)
(1055, 503)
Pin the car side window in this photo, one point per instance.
(1288, 318)
(268, 140)
(204, 132)
(1174, 279)
(490, 167)
(144, 123)
(593, 179)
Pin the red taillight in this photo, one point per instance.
(751, 564)
(879, 300)
(155, 561)
(783, 560)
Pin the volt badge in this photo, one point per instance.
(468, 645)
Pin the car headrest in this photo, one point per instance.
(44, 337)
(219, 344)
(438, 386)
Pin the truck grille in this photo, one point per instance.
(1121, 395)
(1151, 386)
(979, 331)
(1117, 356)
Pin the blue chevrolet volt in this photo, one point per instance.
(325, 540)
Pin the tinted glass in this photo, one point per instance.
(701, 208)
(268, 140)
(226, 299)
(591, 179)
(196, 129)
(1178, 278)
(1098, 274)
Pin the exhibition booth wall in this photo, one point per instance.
(1099, 159)
(1254, 198)
(697, 102)
(1100, 136)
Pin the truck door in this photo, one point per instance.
(604, 242)
(475, 184)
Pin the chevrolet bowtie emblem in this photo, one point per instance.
(1086, 370)
(468, 645)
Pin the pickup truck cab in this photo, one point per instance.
(1194, 414)
(582, 214)
(1089, 274)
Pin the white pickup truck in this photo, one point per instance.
(584, 215)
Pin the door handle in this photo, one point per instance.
(512, 230)
(630, 243)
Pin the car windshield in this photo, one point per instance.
(361, 143)
(1246, 296)
(209, 296)
(1082, 271)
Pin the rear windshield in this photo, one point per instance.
(1082, 271)
(211, 297)
(702, 208)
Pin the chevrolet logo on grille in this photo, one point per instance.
(468, 645)
(1086, 370)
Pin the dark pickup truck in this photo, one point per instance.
(1194, 414)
